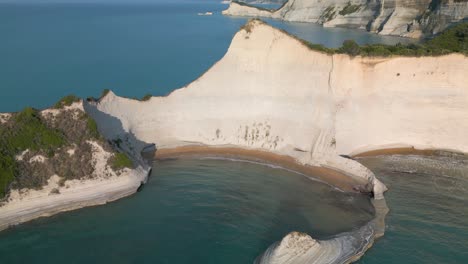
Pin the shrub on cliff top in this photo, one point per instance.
(66, 101)
(29, 132)
(24, 131)
(350, 47)
(121, 161)
(7, 172)
(146, 97)
(454, 39)
(92, 128)
(104, 93)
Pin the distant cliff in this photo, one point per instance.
(409, 18)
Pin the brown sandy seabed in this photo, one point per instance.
(330, 176)
(333, 177)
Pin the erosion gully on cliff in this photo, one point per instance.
(387, 17)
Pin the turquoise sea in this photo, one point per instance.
(191, 211)
(201, 211)
(49, 50)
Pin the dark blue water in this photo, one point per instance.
(51, 50)
(191, 211)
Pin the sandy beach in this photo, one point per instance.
(329, 176)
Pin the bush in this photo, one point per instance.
(104, 93)
(349, 9)
(66, 101)
(146, 97)
(25, 131)
(8, 169)
(120, 161)
(454, 39)
(29, 132)
(92, 128)
(350, 47)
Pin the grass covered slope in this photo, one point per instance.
(34, 145)
(452, 40)
(24, 131)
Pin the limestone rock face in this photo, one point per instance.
(410, 18)
(305, 104)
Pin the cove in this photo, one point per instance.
(192, 211)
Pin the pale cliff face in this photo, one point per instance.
(305, 104)
(411, 18)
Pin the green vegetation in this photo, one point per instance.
(328, 14)
(104, 93)
(350, 47)
(247, 27)
(120, 161)
(66, 101)
(454, 39)
(92, 127)
(25, 131)
(29, 132)
(349, 9)
(146, 97)
(8, 168)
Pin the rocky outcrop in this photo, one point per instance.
(410, 18)
(76, 172)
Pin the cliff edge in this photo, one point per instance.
(308, 105)
(390, 17)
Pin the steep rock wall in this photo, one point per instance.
(411, 18)
(307, 105)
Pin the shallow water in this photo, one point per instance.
(191, 211)
(50, 50)
(428, 218)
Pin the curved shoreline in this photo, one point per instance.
(81, 193)
(343, 248)
(405, 151)
(330, 176)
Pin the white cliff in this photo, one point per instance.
(410, 18)
(305, 104)
(302, 104)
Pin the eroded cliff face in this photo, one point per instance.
(410, 18)
(307, 105)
